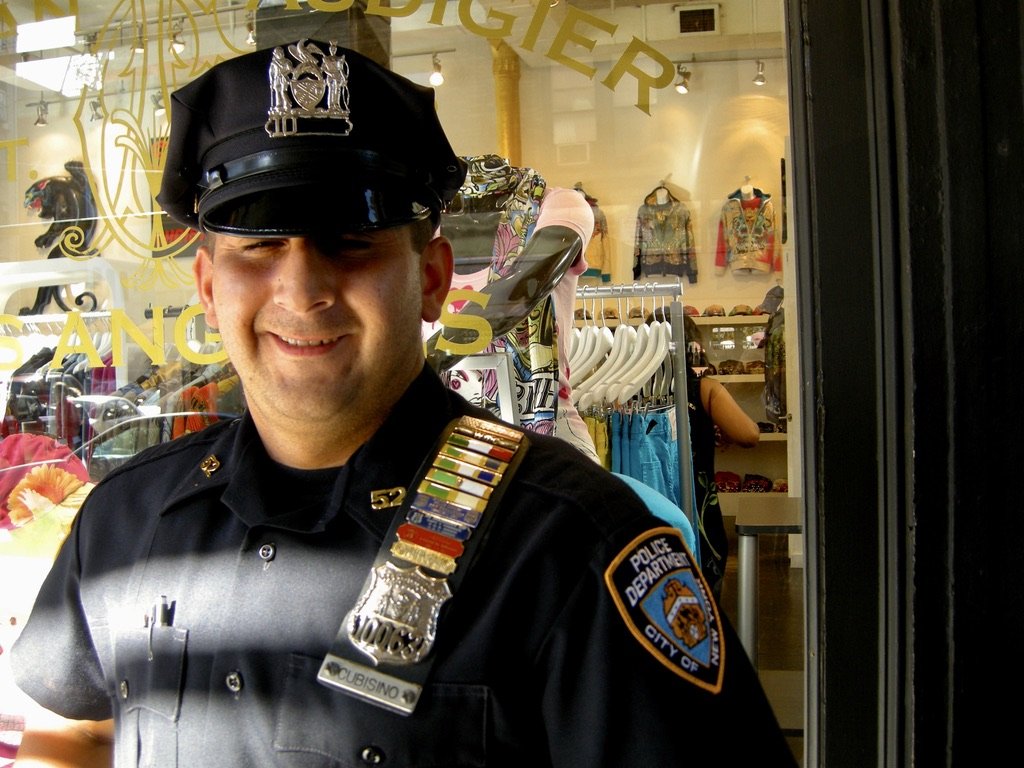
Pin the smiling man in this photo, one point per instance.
(364, 569)
(323, 331)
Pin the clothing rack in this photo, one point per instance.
(54, 325)
(677, 349)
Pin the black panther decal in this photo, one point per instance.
(67, 201)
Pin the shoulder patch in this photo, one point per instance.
(667, 606)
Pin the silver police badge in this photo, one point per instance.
(299, 84)
(395, 619)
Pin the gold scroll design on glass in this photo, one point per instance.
(122, 133)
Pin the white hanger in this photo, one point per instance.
(106, 343)
(601, 344)
(639, 375)
(597, 352)
(613, 373)
(574, 342)
(577, 333)
(622, 348)
(595, 392)
(661, 386)
(583, 348)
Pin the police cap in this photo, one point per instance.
(305, 137)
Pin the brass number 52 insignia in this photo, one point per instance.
(387, 497)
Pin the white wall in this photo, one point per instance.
(702, 144)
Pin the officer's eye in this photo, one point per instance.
(247, 247)
(261, 245)
(346, 246)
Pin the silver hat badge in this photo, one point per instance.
(299, 85)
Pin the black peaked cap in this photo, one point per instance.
(334, 139)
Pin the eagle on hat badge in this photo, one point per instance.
(299, 84)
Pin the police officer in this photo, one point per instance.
(363, 569)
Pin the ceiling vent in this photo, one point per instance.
(698, 19)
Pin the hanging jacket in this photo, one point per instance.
(746, 235)
(664, 239)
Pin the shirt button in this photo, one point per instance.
(267, 552)
(122, 689)
(233, 681)
(372, 755)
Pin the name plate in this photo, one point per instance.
(369, 684)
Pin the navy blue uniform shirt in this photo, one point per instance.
(579, 637)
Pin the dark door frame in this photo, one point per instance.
(908, 166)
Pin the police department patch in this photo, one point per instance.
(667, 606)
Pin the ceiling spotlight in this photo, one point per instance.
(97, 111)
(42, 110)
(250, 38)
(139, 46)
(759, 78)
(177, 43)
(436, 77)
(683, 83)
(158, 105)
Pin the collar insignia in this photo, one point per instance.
(209, 465)
(309, 84)
(385, 498)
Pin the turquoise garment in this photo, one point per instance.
(661, 506)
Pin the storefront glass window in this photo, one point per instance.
(671, 119)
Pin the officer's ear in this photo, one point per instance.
(202, 271)
(436, 266)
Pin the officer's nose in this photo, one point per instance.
(304, 281)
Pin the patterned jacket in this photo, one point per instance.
(664, 238)
(746, 235)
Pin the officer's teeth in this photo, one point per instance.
(306, 342)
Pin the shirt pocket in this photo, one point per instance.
(448, 728)
(150, 668)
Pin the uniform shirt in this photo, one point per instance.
(535, 663)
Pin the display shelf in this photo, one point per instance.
(738, 378)
(725, 322)
(730, 319)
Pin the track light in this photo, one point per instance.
(759, 78)
(139, 46)
(97, 111)
(683, 82)
(437, 77)
(250, 38)
(177, 43)
(158, 105)
(42, 110)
